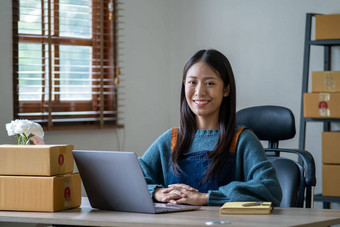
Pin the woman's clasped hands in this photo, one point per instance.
(180, 194)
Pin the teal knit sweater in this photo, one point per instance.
(255, 177)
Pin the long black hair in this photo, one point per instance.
(227, 114)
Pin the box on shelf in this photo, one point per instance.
(321, 105)
(330, 180)
(326, 81)
(39, 160)
(28, 193)
(330, 147)
(327, 26)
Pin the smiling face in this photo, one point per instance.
(204, 92)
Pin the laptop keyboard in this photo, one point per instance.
(167, 206)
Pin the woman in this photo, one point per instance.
(211, 161)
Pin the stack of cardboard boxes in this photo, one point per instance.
(331, 164)
(38, 178)
(324, 102)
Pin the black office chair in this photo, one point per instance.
(297, 178)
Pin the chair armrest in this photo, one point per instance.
(307, 159)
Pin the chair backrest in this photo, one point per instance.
(272, 124)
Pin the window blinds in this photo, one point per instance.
(65, 62)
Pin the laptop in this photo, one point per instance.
(114, 180)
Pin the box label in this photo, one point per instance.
(61, 159)
(67, 192)
(329, 81)
(323, 105)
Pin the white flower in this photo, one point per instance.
(24, 130)
(10, 129)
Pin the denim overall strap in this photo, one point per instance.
(195, 164)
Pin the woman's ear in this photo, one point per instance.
(226, 90)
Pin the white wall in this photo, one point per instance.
(263, 39)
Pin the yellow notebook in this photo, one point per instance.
(246, 208)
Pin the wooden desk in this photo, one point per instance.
(87, 216)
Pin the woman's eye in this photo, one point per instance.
(209, 83)
(191, 82)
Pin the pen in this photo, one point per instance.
(252, 204)
(217, 222)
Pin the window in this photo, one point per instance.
(65, 62)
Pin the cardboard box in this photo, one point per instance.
(327, 26)
(330, 148)
(321, 105)
(326, 81)
(26, 193)
(331, 180)
(37, 160)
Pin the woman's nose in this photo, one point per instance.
(200, 90)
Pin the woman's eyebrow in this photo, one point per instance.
(204, 78)
(210, 78)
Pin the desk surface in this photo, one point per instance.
(87, 216)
